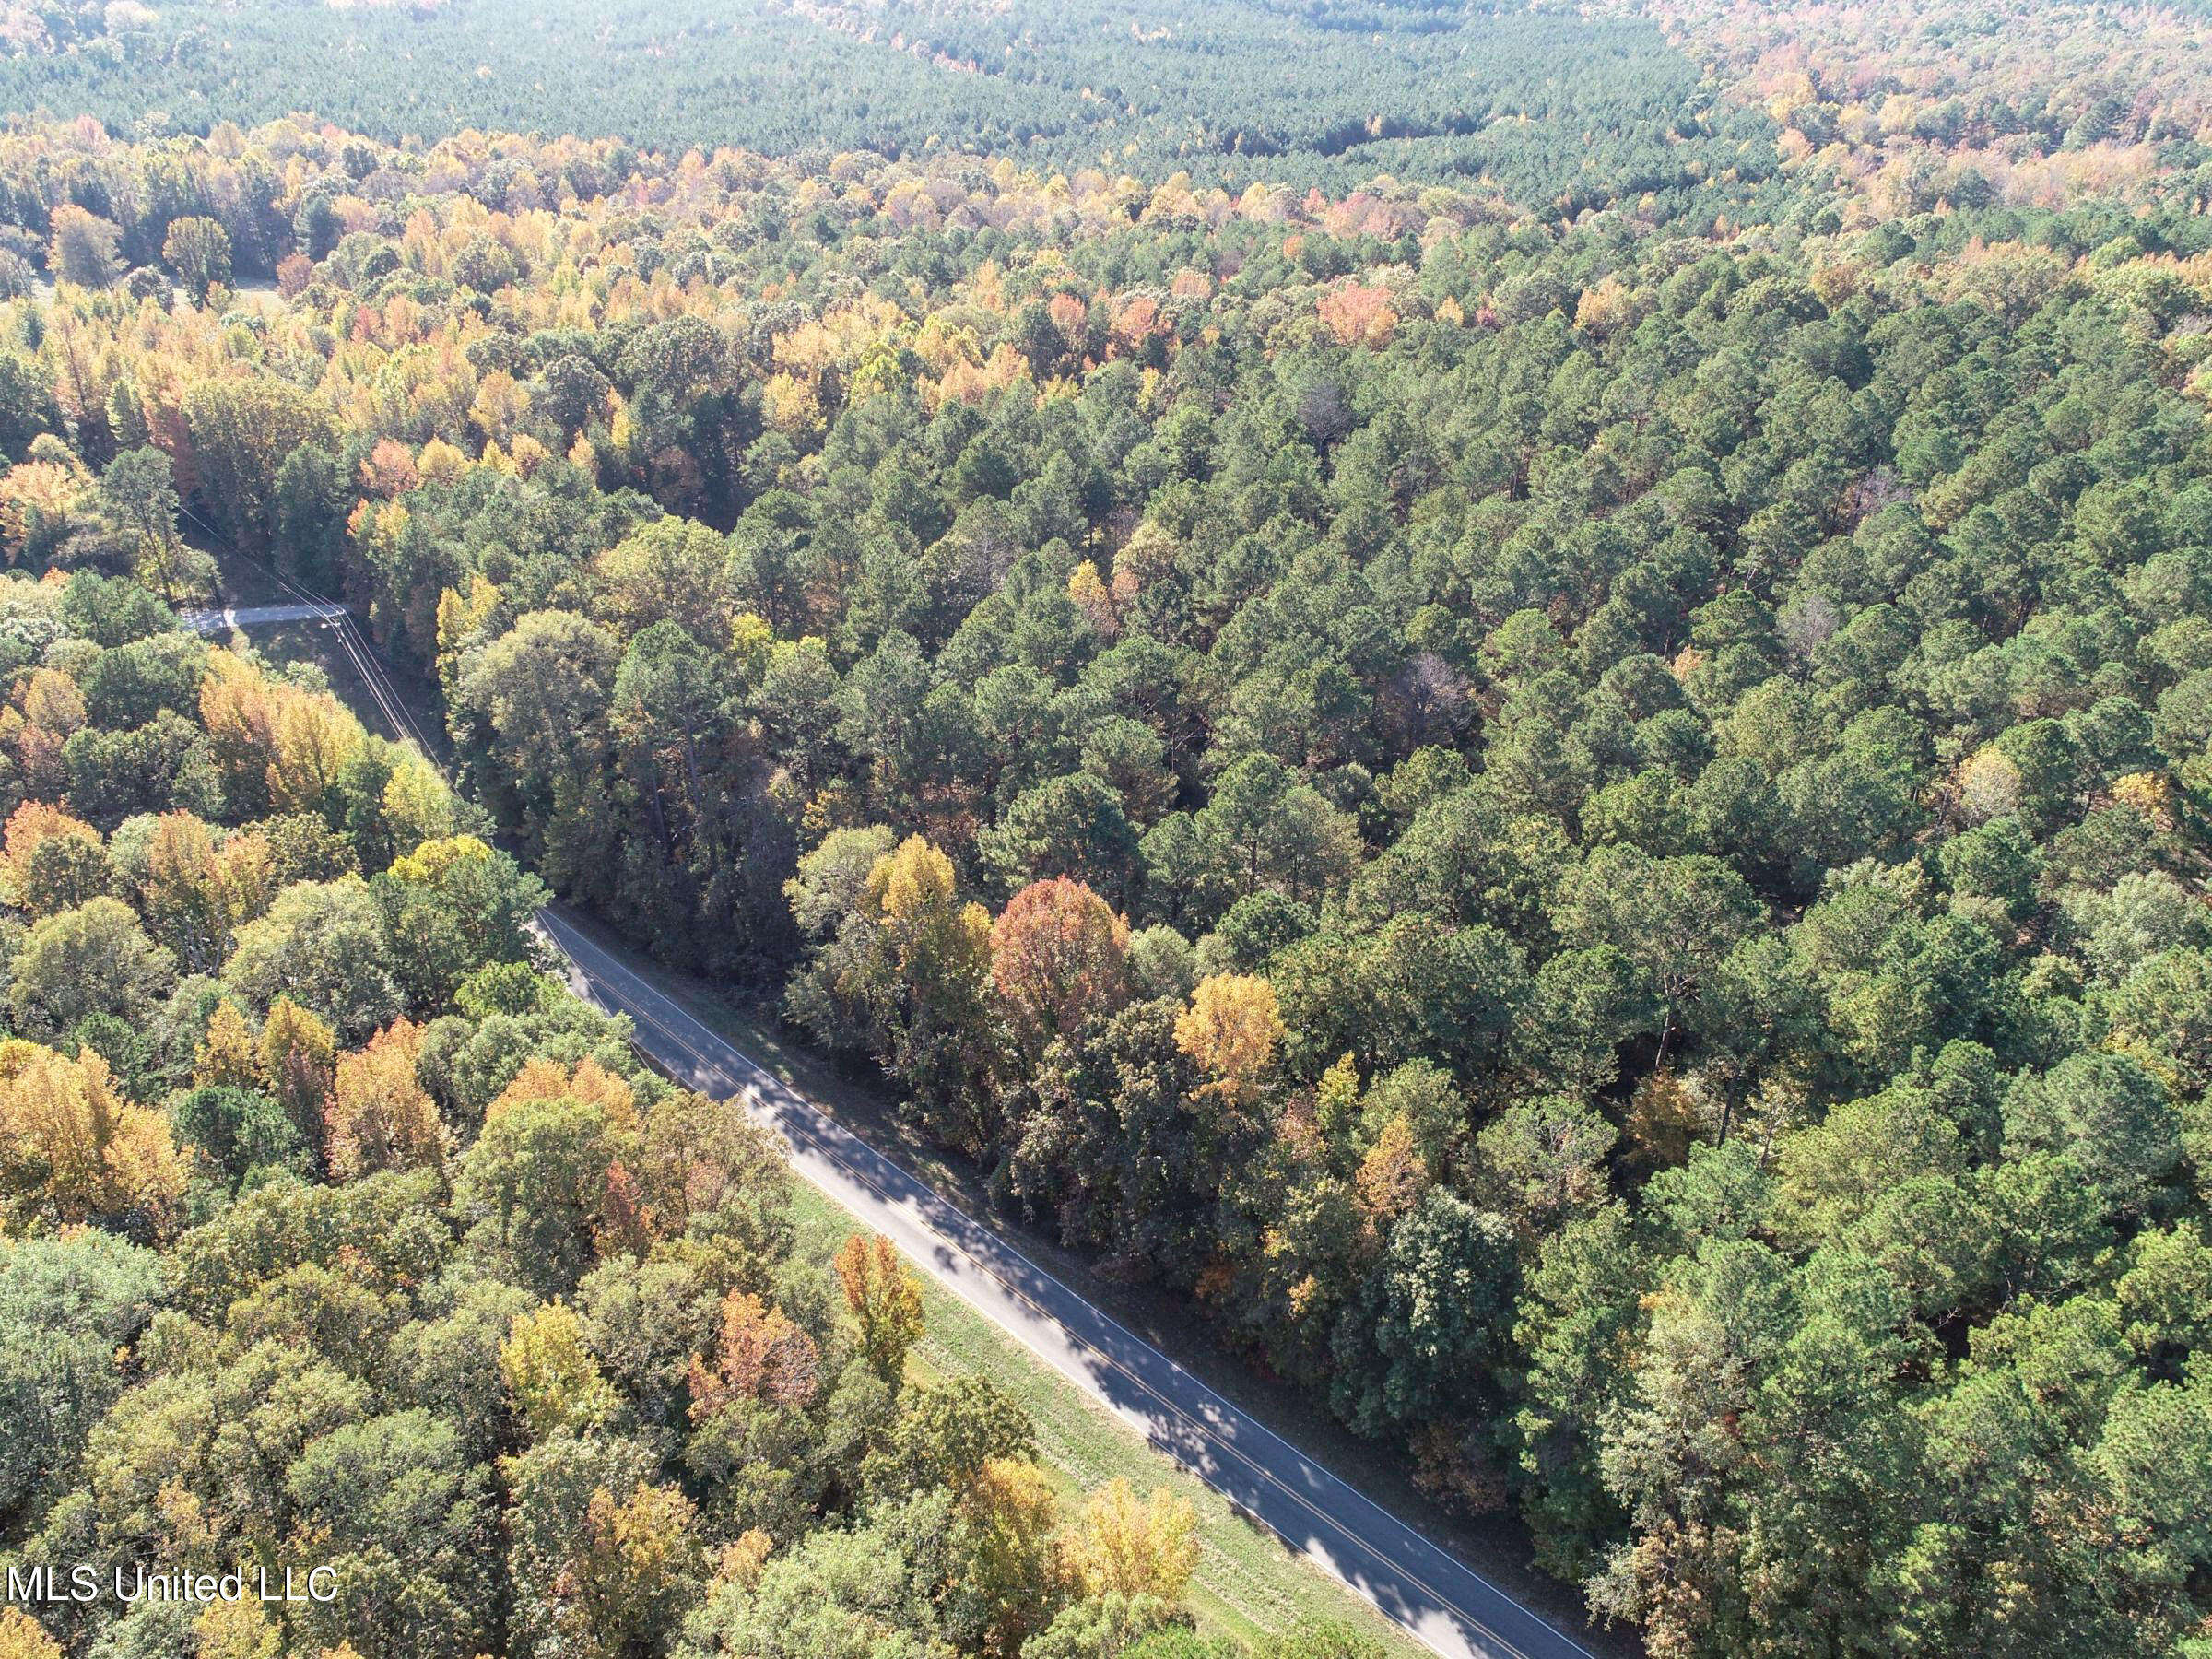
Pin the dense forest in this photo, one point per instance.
(1578, 808)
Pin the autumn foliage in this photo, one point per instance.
(1057, 957)
(885, 1299)
(1232, 1031)
(760, 1355)
(73, 1150)
(380, 1116)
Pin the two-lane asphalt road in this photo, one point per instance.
(1412, 1581)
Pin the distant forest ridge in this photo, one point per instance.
(1698, 113)
(1557, 111)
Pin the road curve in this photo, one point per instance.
(1418, 1586)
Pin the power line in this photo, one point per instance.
(389, 702)
(358, 650)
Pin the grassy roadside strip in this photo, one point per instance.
(1247, 1584)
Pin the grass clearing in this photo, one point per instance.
(1247, 1584)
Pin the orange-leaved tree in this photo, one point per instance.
(1058, 954)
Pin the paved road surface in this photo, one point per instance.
(1411, 1581)
(214, 622)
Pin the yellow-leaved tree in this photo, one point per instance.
(380, 1116)
(639, 1566)
(1008, 1535)
(315, 736)
(587, 1081)
(20, 1637)
(552, 1380)
(911, 984)
(1127, 1546)
(199, 890)
(299, 1057)
(238, 1630)
(73, 1150)
(52, 860)
(228, 1056)
(1232, 1032)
